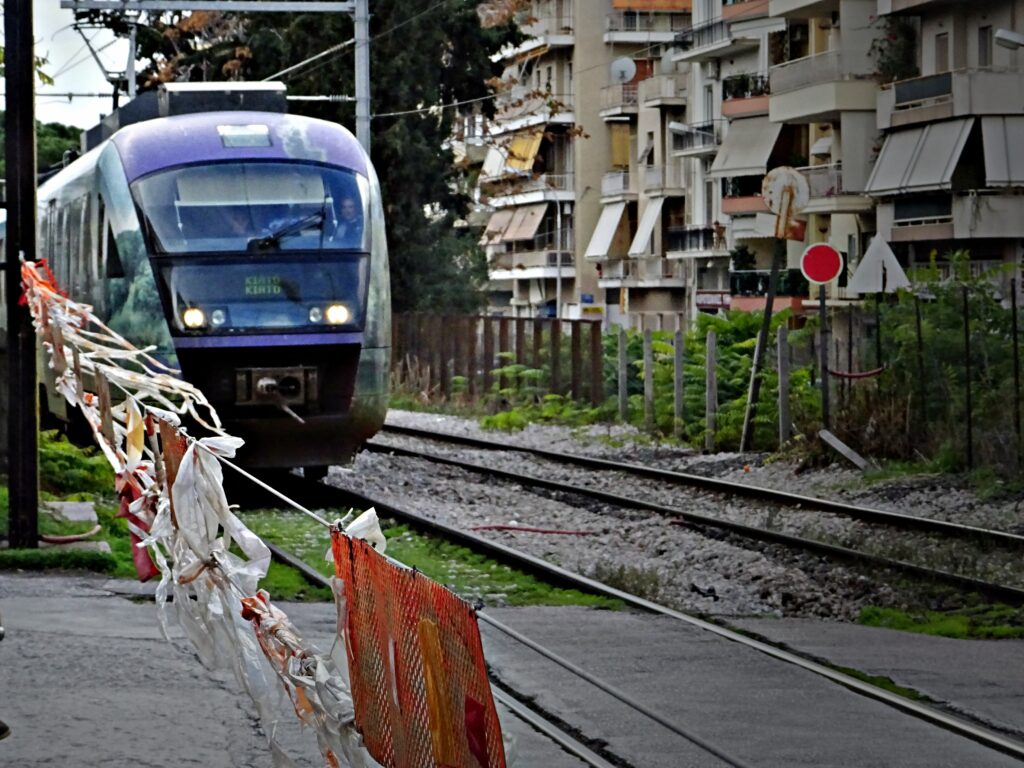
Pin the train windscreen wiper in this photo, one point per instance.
(273, 240)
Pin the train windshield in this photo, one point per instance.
(254, 207)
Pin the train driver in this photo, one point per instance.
(349, 232)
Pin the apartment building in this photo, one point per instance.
(625, 166)
(578, 156)
(950, 167)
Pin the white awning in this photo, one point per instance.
(1003, 138)
(494, 163)
(601, 240)
(496, 226)
(525, 221)
(746, 148)
(646, 227)
(919, 159)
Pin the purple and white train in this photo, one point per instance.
(248, 246)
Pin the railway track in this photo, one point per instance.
(983, 539)
(327, 496)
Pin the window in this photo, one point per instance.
(985, 46)
(942, 52)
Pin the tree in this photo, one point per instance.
(52, 141)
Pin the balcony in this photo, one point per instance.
(741, 195)
(618, 100)
(695, 138)
(532, 265)
(744, 95)
(644, 26)
(711, 299)
(974, 214)
(886, 7)
(749, 287)
(736, 10)
(696, 241)
(828, 194)
(819, 88)
(662, 179)
(531, 189)
(545, 32)
(803, 9)
(643, 273)
(950, 94)
(617, 185)
(712, 40)
(663, 90)
(522, 106)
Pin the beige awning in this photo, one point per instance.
(523, 149)
(1003, 138)
(525, 222)
(822, 147)
(604, 232)
(496, 226)
(919, 159)
(746, 148)
(646, 227)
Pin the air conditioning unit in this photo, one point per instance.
(711, 69)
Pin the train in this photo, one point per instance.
(247, 247)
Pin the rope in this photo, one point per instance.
(857, 375)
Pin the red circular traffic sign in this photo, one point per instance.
(821, 263)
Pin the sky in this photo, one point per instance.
(72, 67)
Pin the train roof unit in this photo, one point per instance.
(171, 99)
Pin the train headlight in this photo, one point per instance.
(218, 317)
(193, 317)
(315, 314)
(337, 314)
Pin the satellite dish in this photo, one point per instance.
(623, 70)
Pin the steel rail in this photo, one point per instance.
(990, 589)
(314, 577)
(559, 576)
(808, 503)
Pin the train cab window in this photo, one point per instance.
(239, 207)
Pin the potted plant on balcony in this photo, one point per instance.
(742, 258)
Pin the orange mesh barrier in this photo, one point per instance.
(420, 688)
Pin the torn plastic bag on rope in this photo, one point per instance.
(416, 665)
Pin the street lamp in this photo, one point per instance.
(1009, 39)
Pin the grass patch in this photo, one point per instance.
(981, 622)
(52, 560)
(470, 575)
(884, 683)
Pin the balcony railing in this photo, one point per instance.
(712, 299)
(695, 239)
(650, 21)
(702, 35)
(672, 86)
(824, 180)
(828, 67)
(923, 88)
(662, 177)
(531, 259)
(754, 282)
(533, 26)
(620, 95)
(644, 269)
(553, 182)
(523, 101)
(699, 136)
(923, 210)
(615, 183)
(745, 86)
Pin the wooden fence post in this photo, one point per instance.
(623, 369)
(472, 323)
(444, 324)
(596, 365)
(538, 343)
(488, 361)
(521, 340)
(711, 391)
(503, 349)
(648, 381)
(556, 357)
(783, 356)
(576, 370)
(677, 386)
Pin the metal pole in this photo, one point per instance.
(558, 256)
(130, 67)
(967, 381)
(823, 356)
(362, 29)
(1016, 366)
(22, 394)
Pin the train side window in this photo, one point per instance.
(114, 267)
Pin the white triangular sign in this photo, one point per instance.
(878, 270)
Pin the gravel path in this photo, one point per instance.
(712, 574)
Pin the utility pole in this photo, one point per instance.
(20, 243)
(362, 25)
